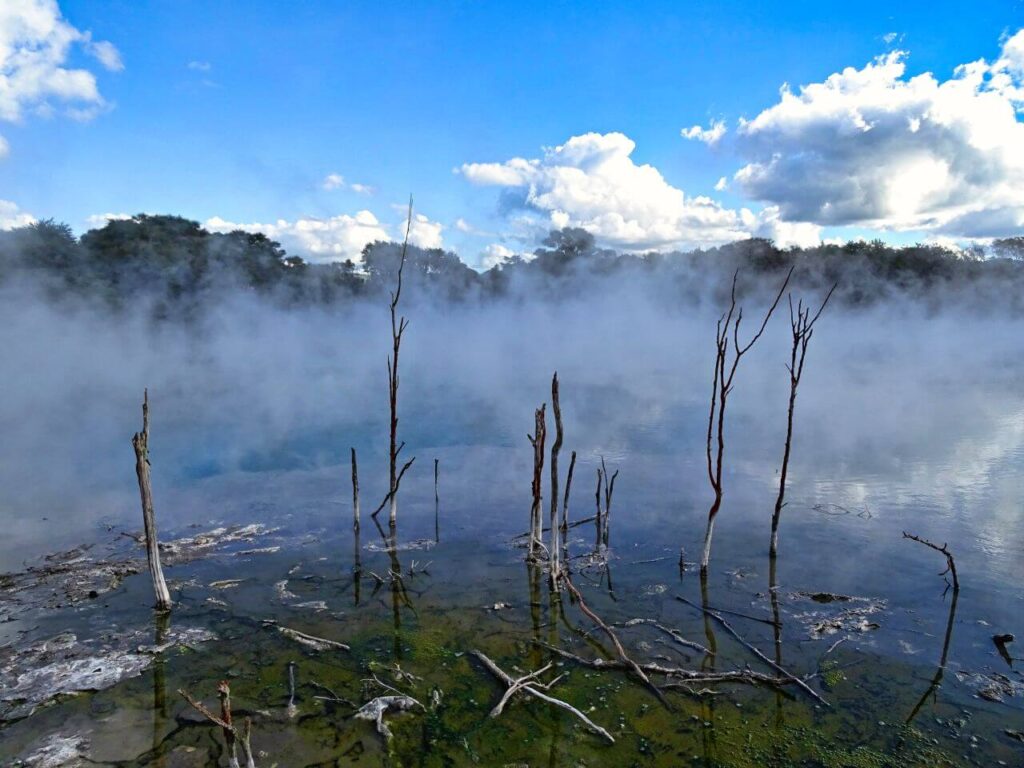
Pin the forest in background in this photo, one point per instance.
(176, 269)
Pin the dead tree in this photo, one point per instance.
(536, 523)
(721, 387)
(398, 326)
(802, 327)
(140, 442)
(437, 507)
(556, 446)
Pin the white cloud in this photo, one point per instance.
(425, 233)
(200, 66)
(5, 148)
(592, 182)
(104, 52)
(710, 135)
(874, 147)
(99, 220)
(496, 254)
(722, 184)
(333, 181)
(769, 224)
(12, 217)
(320, 240)
(35, 43)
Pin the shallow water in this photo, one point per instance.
(921, 430)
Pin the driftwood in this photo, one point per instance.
(232, 735)
(623, 656)
(375, 709)
(802, 327)
(537, 441)
(746, 676)
(721, 387)
(776, 667)
(140, 442)
(556, 446)
(529, 685)
(675, 634)
(310, 641)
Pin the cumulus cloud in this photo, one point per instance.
(710, 135)
(320, 240)
(592, 182)
(722, 184)
(874, 147)
(11, 216)
(338, 237)
(769, 224)
(35, 44)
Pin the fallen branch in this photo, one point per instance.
(615, 640)
(231, 733)
(675, 634)
(779, 669)
(311, 641)
(528, 687)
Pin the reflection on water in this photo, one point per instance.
(889, 436)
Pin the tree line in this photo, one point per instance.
(181, 268)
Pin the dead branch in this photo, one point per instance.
(573, 524)
(623, 656)
(777, 668)
(556, 446)
(390, 495)
(537, 441)
(140, 442)
(675, 634)
(227, 726)
(950, 562)
(691, 676)
(529, 687)
(609, 489)
(565, 508)
(311, 641)
(721, 387)
(802, 328)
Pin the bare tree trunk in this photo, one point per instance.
(556, 446)
(536, 521)
(355, 494)
(437, 507)
(565, 512)
(802, 327)
(725, 373)
(597, 516)
(140, 442)
(398, 326)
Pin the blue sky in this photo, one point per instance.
(239, 111)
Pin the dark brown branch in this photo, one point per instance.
(390, 495)
(556, 446)
(536, 521)
(950, 562)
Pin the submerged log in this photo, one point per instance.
(140, 442)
